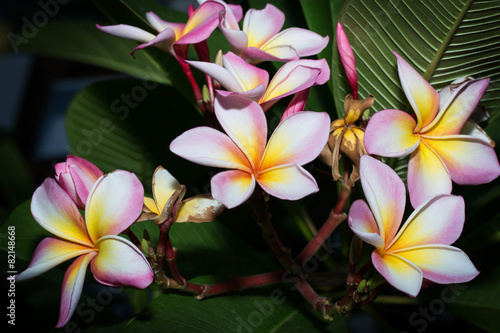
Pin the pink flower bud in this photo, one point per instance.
(297, 104)
(347, 59)
(77, 177)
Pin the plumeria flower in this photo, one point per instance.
(242, 78)
(421, 248)
(167, 191)
(347, 59)
(479, 115)
(439, 154)
(347, 137)
(231, 15)
(77, 177)
(114, 203)
(200, 25)
(276, 167)
(260, 38)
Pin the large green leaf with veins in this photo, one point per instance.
(58, 39)
(442, 40)
(129, 124)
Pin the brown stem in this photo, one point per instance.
(344, 195)
(160, 251)
(241, 283)
(334, 219)
(326, 230)
(166, 251)
(133, 238)
(259, 208)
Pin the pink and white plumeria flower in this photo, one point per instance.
(114, 203)
(239, 77)
(77, 177)
(421, 248)
(232, 13)
(439, 154)
(200, 25)
(260, 38)
(276, 167)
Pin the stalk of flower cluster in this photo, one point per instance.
(240, 283)
(335, 217)
(194, 85)
(167, 253)
(259, 207)
(203, 53)
(206, 106)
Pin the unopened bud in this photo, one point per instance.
(362, 286)
(206, 94)
(145, 247)
(218, 58)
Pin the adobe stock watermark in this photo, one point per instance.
(265, 308)
(87, 310)
(48, 9)
(121, 107)
(421, 318)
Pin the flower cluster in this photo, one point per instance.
(439, 153)
(237, 95)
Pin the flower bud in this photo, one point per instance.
(362, 286)
(145, 247)
(347, 59)
(206, 94)
(77, 177)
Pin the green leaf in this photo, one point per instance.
(442, 40)
(272, 312)
(81, 41)
(482, 219)
(28, 233)
(17, 187)
(140, 8)
(477, 301)
(317, 15)
(211, 250)
(321, 17)
(217, 251)
(129, 124)
(94, 47)
(292, 10)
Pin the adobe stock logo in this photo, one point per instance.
(427, 314)
(40, 19)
